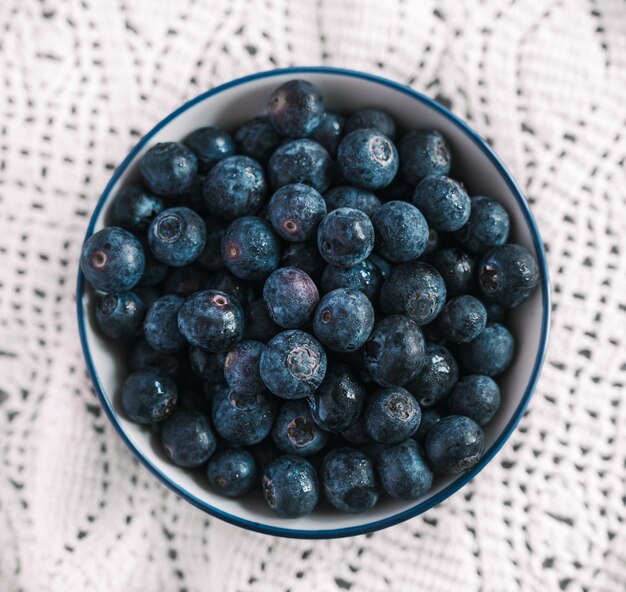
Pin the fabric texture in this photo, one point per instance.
(80, 82)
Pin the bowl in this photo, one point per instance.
(229, 105)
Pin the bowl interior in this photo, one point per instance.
(345, 92)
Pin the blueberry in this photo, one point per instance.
(349, 480)
(373, 119)
(345, 237)
(436, 379)
(392, 415)
(149, 396)
(291, 297)
(235, 187)
(395, 352)
(338, 402)
(488, 226)
(211, 320)
(241, 368)
(329, 132)
(462, 319)
(250, 249)
(120, 316)
(177, 236)
(383, 265)
(160, 327)
(456, 268)
(259, 326)
(232, 472)
(186, 280)
(368, 159)
(207, 365)
(154, 272)
(133, 208)
(423, 153)
(257, 139)
(211, 256)
(168, 168)
(495, 312)
(401, 231)
(344, 320)
(444, 203)
(414, 289)
(295, 212)
(296, 108)
(188, 439)
(403, 472)
(242, 419)
(435, 242)
(304, 256)
(490, 353)
(224, 281)
(430, 417)
(144, 357)
(477, 397)
(507, 275)
(295, 432)
(112, 260)
(293, 364)
(300, 161)
(210, 145)
(290, 486)
(364, 276)
(356, 433)
(345, 196)
(454, 444)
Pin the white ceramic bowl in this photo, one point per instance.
(479, 168)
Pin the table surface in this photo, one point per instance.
(80, 82)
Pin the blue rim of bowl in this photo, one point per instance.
(460, 481)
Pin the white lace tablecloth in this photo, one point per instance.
(82, 80)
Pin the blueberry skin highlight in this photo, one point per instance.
(423, 153)
(462, 319)
(293, 364)
(296, 108)
(168, 169)
(392, 415)
(120, 316)
(444, 203)
(338, 402)
(112, 260)
(344, 320)
(345, 196)
(404, 474)
(368, 159)
(349, 480)
(329, 132)
(304, 256)
(401, 231)
(507, 275)
(414, 289)
(242, 419)
(345, 237)
(488, 226)
(291, 297)
(235, 187)
(133, 208)
(232, 472)
(395, 352)
(250, 249)
(257, 139)
(160, 327)
(373, 119)
(144, 357)
(364, 276)
(224, 281)
(295, 432)
(454, 445)
(300, 161)
(177, 236)
(210, 145)
(259, 326)
(295, 212)
(456, 268)
(211, 320)
(148, 396)
(490, 353)
(436, 379)
(241, 368)
(188, 439)
(290, 486)
(477, 397)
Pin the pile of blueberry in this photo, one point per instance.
(312, 307)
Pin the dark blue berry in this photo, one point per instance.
(177, 236)
(149, 396)
(456, 268)
(423, 153)
(241, 368)
(121, 315)
(224, 281)
(257, 139)
(210, 145)
(188, 438)
(144, 357)
(290, 296)
(454, 444)
(346, 196)
(232, 472)
(211, 320)
(368, 159)
(133, 208)
(329, 132)
(430, 417)
(211, 256)
(364, 276)
(168, 168)
(496, 313)
(392, 415)
(207, 365)
(462, 319)
(373, 119)
(300, 161)
(296, 108)
(356, 433)
(295, 432)
(444, 203)
(290, 486)
(477, 397)
(345, 237)
(186, 280)
(154, 272)
(436, 379)
(488, 226)
(344, 320)
(259, 326)
(403, 472)
(435, 242)
(112, 260)
(382, 264)
(304, 256)
(160, 327)
(295, 212)
(490, 353)
(293, 364)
